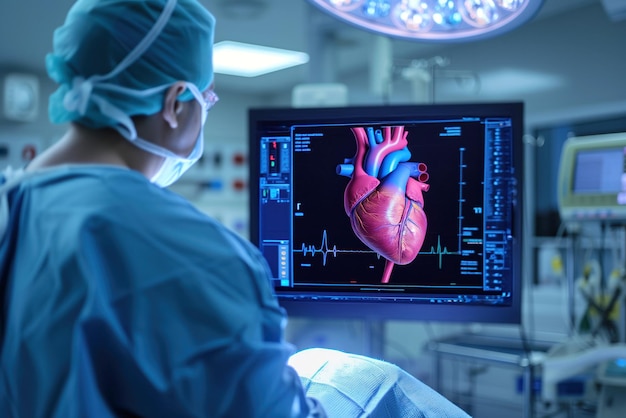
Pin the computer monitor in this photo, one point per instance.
(408, 212)
(592, 178)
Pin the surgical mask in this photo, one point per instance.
(173, 165)
(84, 91)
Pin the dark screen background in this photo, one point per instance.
(323, 237)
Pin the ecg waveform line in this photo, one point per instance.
(324, 249)
(439, 251)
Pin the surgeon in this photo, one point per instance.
(117, 297)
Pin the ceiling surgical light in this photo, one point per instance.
(433, 20)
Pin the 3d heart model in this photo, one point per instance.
(384, 197)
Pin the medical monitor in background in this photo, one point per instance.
(592, 178)
(391, 212)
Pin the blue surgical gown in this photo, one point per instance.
(119, 298)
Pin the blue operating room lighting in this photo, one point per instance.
(446, 13)
(433, 20)
(377, 8)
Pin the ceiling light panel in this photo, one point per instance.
(248, 60)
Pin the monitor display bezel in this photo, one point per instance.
(364, 309)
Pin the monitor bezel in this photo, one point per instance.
(466, 313)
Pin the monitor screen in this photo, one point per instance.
(592, 178)
(390, 212)
(599, 171)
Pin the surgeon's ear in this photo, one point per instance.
(171, 105)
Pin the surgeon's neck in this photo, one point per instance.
(82, 145)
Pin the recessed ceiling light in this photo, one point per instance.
(247, 60)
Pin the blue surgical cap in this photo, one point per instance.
(98, 35)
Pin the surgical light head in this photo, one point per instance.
(114, 59)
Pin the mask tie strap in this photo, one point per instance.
(144, 44)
